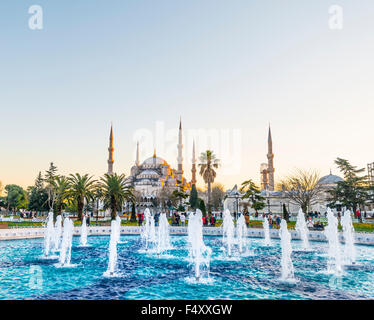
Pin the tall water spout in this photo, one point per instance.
(67, 238)
(112, 263)
(349, 237)
(83, 239)
(302, 229)
(57, 233)
(199, 253)
(118, 233)
(163, 238)
(241, 233)
(334, 264)
(286, 260)
(49, 234)
(265, 225)
(148, 233)
(228, 231)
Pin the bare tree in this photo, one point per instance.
(163, 195)
(218, 193)
(302, 188)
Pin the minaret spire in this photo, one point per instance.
(270, 157)
(110, 149)
(193, 170)
(137, 161)
(180, 147)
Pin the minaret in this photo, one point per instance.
(137, 161)
(180, 158)
(270, 161)
(110, 149)
(193, 170)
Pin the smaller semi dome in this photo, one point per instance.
(149, 173)
(330, 179)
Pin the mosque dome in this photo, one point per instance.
(154, 161)
(329, 179)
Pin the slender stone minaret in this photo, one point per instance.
(193, 170)
(270, 156)
(137, 161)
(180, 158)
(110, 149)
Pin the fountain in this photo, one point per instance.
(112, 263)
(57, 233)
(302, 229)
(241, 233)
(349, 237)
(148, 233)
(334, 264)
(67, 238)
(163, 239)
(228, 231)
(118, 233)
(199, 253)
(286, 260)
(265, 225)
(83, 239)
(49, 234)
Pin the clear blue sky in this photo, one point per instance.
(219, 64)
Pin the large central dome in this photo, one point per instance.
(155, 161)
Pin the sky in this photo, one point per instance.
(227, 68)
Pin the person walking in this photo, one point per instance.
(157, 218)
(183, 220)
(278, 221)
(212, 221)
(358, 214)
(246, 217)
(140, 219)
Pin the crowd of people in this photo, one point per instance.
(178, 219)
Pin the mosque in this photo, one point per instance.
(276, 199)
(154, 174)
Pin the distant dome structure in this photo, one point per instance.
(155, 161)
(330, 179)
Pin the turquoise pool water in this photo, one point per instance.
(25, 274)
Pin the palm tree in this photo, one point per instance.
(61, 187)
(115, 191)
(208, 162)
(81, 188)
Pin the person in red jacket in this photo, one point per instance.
(358, 214)
(140, 218)
(203, 220)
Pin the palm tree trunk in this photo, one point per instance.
(80, 209)
(209, 191)
(113, 211)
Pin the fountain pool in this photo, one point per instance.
(149, 276)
